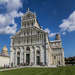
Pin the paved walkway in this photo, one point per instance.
(6, 69)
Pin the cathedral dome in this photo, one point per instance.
(5, 51)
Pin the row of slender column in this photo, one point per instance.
(33, 55)
(27, 23)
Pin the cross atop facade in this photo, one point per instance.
(28, 9)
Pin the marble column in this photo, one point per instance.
(60, 56)
(21, 55)
(31, 56)
(24, 55)
(11, 61)
(63, 57)
(15, 57)
(47, 56)
(42, 55)
(35, 55)
(47, 50)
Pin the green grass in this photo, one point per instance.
(69, 70)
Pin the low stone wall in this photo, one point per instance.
(4, 61)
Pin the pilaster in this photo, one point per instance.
(11, 61)
(24, 54)
(42, 59)
(31, 56)
(47, 59)
(21, 55)
(15, 57)
(35, 55)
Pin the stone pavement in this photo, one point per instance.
(6, 69)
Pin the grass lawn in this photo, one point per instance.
(69, 70)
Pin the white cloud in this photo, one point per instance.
(49, 32)
(6, 19)
(3, 1)
(16, 14)
(8, 30)
(64, 33)
(14, 4)
(68, 24)
(52, 34)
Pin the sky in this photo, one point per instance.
(54, 16)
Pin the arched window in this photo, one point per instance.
(18, 53)
(25, 25)
(54, 57)
(24, 33)
(38, 52)
(28, 50)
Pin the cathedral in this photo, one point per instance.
(30, 46)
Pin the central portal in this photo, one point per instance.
(38, 60)
(18, 60)
(27, 55)
(27, 59)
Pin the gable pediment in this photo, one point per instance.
(28, 15)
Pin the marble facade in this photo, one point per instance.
(31, 46)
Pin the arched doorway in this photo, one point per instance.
(27, 55)
(18, 58)
(38, 57)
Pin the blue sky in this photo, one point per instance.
(54, 16)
